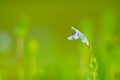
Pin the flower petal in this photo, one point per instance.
(77, 34)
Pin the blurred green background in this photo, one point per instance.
(34, 45)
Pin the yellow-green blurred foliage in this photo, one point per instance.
(34, 45)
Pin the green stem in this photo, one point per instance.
(19, 56)
(93, 66)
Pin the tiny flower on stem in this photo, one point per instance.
(77, 34)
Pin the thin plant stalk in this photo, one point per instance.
(19, 56)
(93, 64)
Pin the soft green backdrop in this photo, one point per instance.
(34, 45)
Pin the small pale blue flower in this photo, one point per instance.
(77, 34)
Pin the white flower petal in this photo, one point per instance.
(70, 38)
(77, 34)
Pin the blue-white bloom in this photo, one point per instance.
(77, 34)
